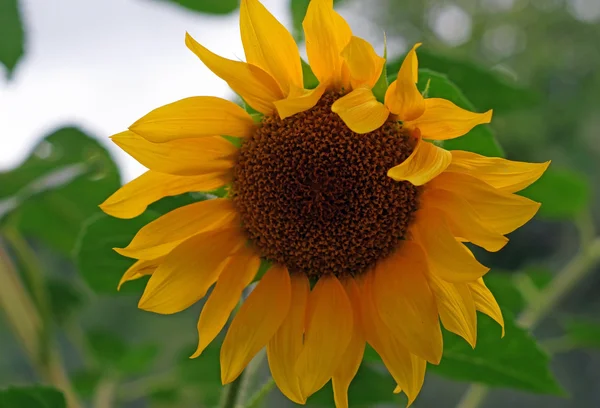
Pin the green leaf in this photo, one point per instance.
(85, 382)
(479, 140)
(583, 332)
(369, 388)
(262, 269)
(502, 287)
(540, 276)
(11, 34)
(165, 395)
(203, 372)
(208, 6)
(564, 194)
(64, 299)
(138, 359)
(101, 267)
(485, 88)
(107, 348)
(113, 353)
(381, 86)
(309, 78)
(298, 10)
(516, 361)
(58, 187)
(34, 396)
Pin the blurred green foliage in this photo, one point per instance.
(545, 109)
(12, 37)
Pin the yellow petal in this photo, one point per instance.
(184, 157)
(159, 237)
(447, 258)
(328, 331)
(456, 307)
(198, 116)
(188, 271)
(237, 273)
(425, 163)
(257, 321)
(498, 211)
(407, 369)
(269, 45)
(400, 288)
(485, 301)
(327, 33)
(343, 375)
(505, 175)
(139, 269)
(285, 346)
(402, 97)
(253, 84)
(360, 111)
(364, 64)
(299, 101)
(444, 120)
(134, 197)
(462, 219)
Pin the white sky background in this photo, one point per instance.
(101, 65)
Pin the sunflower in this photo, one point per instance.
(361, 215)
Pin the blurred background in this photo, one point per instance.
(74, 72)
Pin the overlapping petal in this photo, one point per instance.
(485, 301)
(139, 269)
(159, 237)
(444, 120)
(456, 307)
(345, 372)
(253, 84)
(134, 197)
(361, 111)
(184, 157)
(327, 33)
(462, 219)
(505, 175)
(499, 211)
(400, 288)
(299, 100)
(237, 273)
(258, 319)
(425, 163)
(269, 45)
(364, 64)
(407, 369)
(447, 258)
(189, 270)
(198, 116)
(402, 97)
(329, 326)
(285, 346)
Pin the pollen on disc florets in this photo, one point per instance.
(315, 196)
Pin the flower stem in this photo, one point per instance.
(231, 392)
(259, 396)
(26, 323)
(578, 268)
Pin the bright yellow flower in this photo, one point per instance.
(363, 216)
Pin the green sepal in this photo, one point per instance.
(381, 86)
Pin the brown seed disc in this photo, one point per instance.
(315, 196)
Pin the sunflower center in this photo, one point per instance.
(315, 196)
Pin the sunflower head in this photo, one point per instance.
(362, 215)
